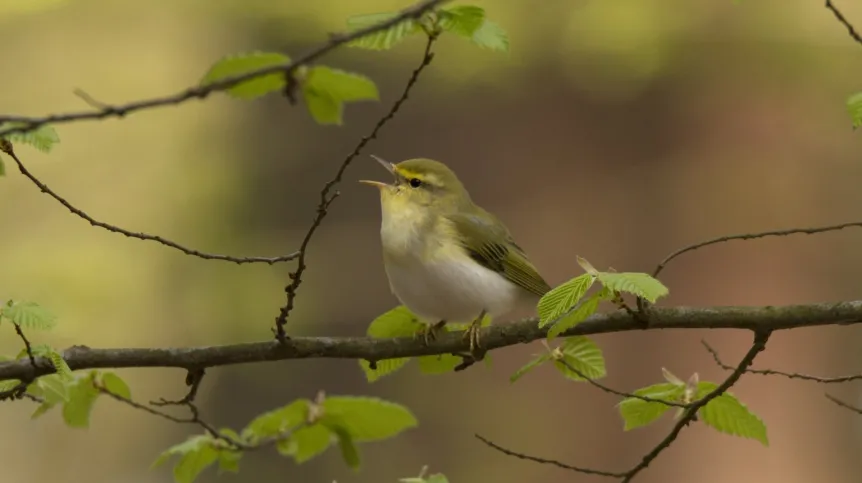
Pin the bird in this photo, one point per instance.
(447, 259)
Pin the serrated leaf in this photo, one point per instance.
(228, 461)
(29, 315)
(239, 64)
(538, 361)
(562, 298)
(397, 322)
(491, 36)
(585, 309)
(382, 39)
(42, 138)
(463, 20)
(349, 452)
(341, 85)
(367, 418)
(192, 443)
(60, 365)
(854, 108)
(306, 443)
(640, 284)
(82, 395)
(584, 355)
(728, 415)
(115, 384)
(438, 364)
(637, 412)
(278, 421)
(52, 388)
(192, 463)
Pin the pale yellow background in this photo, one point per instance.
(616, 130)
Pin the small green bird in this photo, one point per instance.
(447, 259)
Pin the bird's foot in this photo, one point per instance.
(429, 332)
(472, 334)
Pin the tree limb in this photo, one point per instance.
(494, 337)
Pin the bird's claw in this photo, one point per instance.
(428, 332)
(472, 334)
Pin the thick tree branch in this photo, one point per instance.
(494, 337)
(201, 92)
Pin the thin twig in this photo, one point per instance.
(759, 344)
(752, 236)
(619, 393)
(846, 23)
(843, 404)
(202, 91)
(326, 199)
(789, 375)
(546, 461)
(193, 380)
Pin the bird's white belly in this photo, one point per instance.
(455, 289)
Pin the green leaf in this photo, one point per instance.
(382, 39)
(323, 107)
(82, 395)
(278, 421)
(52, 388)
(438, 364)
(228, 461)
(115, 384)
(239, 64)
(730, 416)
(341, 85)
(193, 463)
(491, 36)
(306, 443)
(60, 365)
(368, 419)
(397, 322)
(562, 298)
(348, 448)
(437, 478)
(538, 361)
(191, 444)
(10, 384)
(463, 20)
(640, 284)
(637, 412)
(584, 355)
(42, 138)
(854, 108)
(585, 309)
(29, 315)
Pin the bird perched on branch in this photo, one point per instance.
(447, 259)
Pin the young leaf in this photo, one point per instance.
(306, 443)
(438, 364)
(382, 39)
(196, 454)
(278, 421)
(239, 64)
(52, 388)
(368, 419)
(491, 36)
(82, 395)
(60, 365)
(538, 361)
(116, 385)
(228, 461)
(42, 138)
(10, 384)
(398, 322)
(584, 355)
(341, 85)
(637, 412)
(562, 298)
(728, 415)
(640, 284)
(854, 108)
(585, 309)
(323, 107)
(192, 443)
(348, 448)
(463, 20)
(29, 315)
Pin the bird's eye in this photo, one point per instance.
(415, 182)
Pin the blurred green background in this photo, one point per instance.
(617, 130)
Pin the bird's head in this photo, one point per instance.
(420, 184)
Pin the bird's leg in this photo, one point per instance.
(429, 331)
(472, 333)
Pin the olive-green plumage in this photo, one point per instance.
(447, 258)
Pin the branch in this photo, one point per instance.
(493, 337)
(752, 236)
(545, 461)
(201, 92)
(326, 200)
(846, 23)
(789, 375)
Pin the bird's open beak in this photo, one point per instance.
(386, 164)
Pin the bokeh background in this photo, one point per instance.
(617, 130)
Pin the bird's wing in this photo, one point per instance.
(488, 242)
